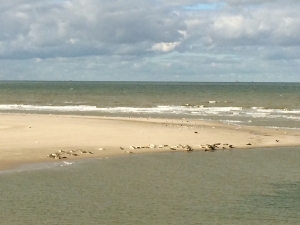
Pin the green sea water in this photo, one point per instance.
(151, 94)
(259, 186)
(260, 104)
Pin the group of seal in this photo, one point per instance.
(61, 154)
(187, 148)
(215, 146)
(207, 147)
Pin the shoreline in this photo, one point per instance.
(29, 138)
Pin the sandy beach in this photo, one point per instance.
(29, 138)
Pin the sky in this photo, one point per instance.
(150, 40)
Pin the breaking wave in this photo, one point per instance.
(253, 112)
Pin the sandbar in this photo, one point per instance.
(29, 138)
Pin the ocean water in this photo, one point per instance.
(257, 186)
(255, 104)
(237, 187)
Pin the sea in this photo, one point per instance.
(257, 104)
(255, 186)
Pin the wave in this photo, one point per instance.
(79, 108)
(87, 108)
(253, 112)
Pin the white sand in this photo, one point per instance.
(27, 138)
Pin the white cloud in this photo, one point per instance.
(72, 41)
(165, 47)
(229, 26)
(252, 32)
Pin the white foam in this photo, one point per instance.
(288, 128)
(48, 108)
(253, 112)
(232, 121)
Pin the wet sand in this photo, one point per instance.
(29, 138)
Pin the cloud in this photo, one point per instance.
(205, 6)
(165, 47)
(150, 37)
(49, 29)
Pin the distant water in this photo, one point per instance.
(239, 187)
(256, 104)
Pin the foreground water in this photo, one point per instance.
(260, 186)
(256, 104)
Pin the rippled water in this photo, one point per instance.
(260, 186)
(260, 104)
(149, 94)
